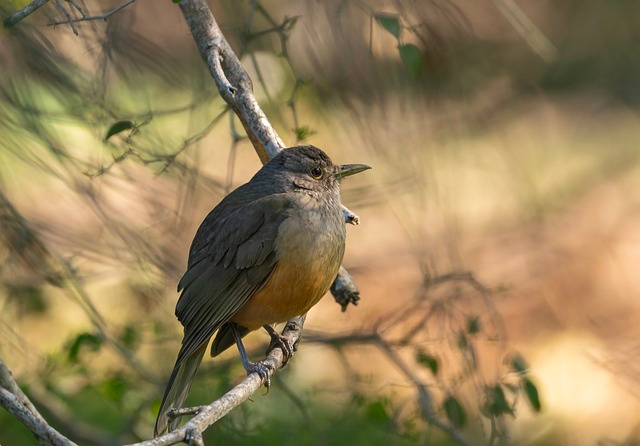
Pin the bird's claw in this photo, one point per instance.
(262, 369)
(277, 340)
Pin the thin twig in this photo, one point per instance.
(88, 18)
(425, 399)
(68, 20)
(77, 6)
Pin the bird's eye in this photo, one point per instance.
(317, 172)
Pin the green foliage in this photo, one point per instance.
(83, 341)
(390, 22)
(519, 364)
(363, 420)
(29, 297)
(531, 392)
(304, 132)
(118, 127)
(411, 58)
(114, 388)
(427, 360)
(130, 337)
(454, 411)
(377, 412)
(410, 54)
(473, 325)
(497, 404)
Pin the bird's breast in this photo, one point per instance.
(309, 249)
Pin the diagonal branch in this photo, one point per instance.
(22, 13)
(16, 403)
(227, 71)
(191, 432)
(236, 89)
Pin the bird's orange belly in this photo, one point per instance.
(291, 290)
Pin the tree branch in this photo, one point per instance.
(191, 432)
(16, 403)
(236, 89)
(68, 20)
(22, 13)
(226, 69)
(89, 18)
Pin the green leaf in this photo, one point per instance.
(129, 337)
(176, 1)
(498, 404)
(519, 364)
(86, 340)
(118, 127)
(411, 58)
(304, 132)
(29, 297)
(389, 22)
(377, 412)
(455, 412)
(531, 391)
(473, 325)
(114, 388)
(427, 360)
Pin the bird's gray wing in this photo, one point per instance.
(232, 257)
(234, 261)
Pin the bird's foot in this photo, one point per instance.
(262, 368)
(277, 340)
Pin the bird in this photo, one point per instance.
(266, 253)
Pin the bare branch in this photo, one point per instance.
(12, 399)
(7, 382)
(22, 13)
(68, 20)
(236, 89)
(209, 414)
(17, 404)
(89, 18)
(227, 71)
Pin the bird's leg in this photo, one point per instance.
(277, 340)
(261, 368)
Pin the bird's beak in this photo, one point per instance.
(349, 169)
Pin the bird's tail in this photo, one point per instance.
(178, 389)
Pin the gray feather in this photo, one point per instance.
(230, 259)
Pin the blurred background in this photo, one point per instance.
(499, 247)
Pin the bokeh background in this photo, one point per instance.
(499, 241)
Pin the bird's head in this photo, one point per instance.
(309, 169)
